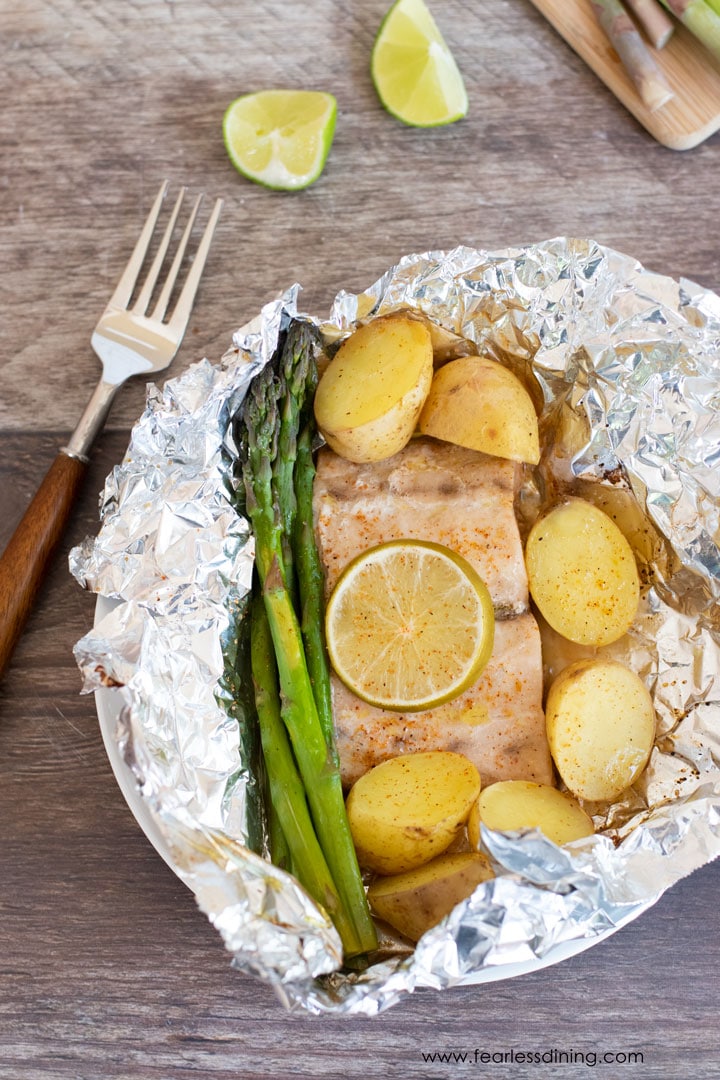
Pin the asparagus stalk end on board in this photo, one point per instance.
(636, 58)
(701, 18)
(655, 21)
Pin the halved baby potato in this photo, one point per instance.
(478, 403)
(446, 344)
(410, 808)
(582, 573)
(417, 900)
(521, 804)
(600, 727)
(370, 395)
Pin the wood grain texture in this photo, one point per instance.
(107, 969)
(24, 561)
(692, 72)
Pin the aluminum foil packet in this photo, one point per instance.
(625, 367)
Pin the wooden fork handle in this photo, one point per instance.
(26, 558)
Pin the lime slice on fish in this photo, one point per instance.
(280, 138)
(413, 70)
(409, 625)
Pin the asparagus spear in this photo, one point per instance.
(622, 33)
(319, 772)
(280, 854)
(311, 583)
(286, 790)
(295, 367)
(700, 19)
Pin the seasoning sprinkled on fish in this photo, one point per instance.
(464, 500)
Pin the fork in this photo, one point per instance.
(128, 341)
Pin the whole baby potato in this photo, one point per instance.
(370, 395)
(582, 573)
(521, 804)
(478, 403)
(600, 727)
(407, 810)
(417, 900)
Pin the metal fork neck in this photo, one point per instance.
(91, 421)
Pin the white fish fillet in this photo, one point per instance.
(429, 491)
(465, 500)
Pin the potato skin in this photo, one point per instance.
(582, 573)
(521, 804)
(417, 900)
(405, 811)
(478, 403)
(369, 397)
(600, 726)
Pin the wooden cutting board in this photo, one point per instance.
(690, 116)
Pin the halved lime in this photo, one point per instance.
(413, 70)
(280, 138)
(409, 625)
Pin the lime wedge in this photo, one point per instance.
(413, 70)
(280, 138)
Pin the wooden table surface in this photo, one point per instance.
(107, 969)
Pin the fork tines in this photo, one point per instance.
(127, 283)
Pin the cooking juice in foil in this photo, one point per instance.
(624, 363)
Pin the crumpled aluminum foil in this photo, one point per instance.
(626, 370)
